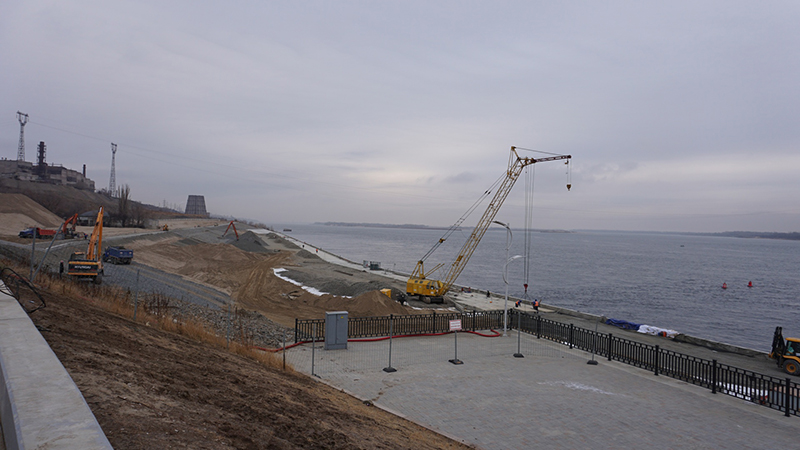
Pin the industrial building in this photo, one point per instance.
(44, 173)
(196, 204)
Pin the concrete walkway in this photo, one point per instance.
(551, 398)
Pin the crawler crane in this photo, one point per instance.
(433, 291)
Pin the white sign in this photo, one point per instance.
(455, 325)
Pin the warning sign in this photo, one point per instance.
(455, 325)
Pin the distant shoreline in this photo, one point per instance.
(410, 226)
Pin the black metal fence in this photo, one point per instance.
(410, 324)
(777, 393)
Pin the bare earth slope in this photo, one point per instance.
(18, 212)
(152, 389)
(250, 279)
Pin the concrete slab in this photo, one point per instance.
(550, 398)
(40, 405)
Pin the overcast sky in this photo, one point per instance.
(680, 116)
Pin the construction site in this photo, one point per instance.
(195, 332)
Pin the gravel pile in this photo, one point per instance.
(251, 326)
(334, 286)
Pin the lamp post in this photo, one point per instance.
(505, 273)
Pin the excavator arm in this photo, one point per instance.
(68, 229)
(96, 240)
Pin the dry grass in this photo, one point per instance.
(153, 310)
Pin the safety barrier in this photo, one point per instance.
(777, 393)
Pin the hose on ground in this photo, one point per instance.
(10, 277)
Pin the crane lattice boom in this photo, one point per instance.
(419, 285)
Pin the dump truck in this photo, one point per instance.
(118, 255)
(40, 232)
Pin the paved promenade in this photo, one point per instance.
(551, 398)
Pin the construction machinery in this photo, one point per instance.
(118, 255)
(40, 232)
(786, 352)
(69, 227)
(231, 225)
(433, 291)
(89, 264)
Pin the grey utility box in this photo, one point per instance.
(336, 330)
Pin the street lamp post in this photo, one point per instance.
(505, 273)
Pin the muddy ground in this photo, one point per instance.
(153, 389)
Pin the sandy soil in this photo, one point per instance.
(18, 212)
(249, 278)
(152, 389)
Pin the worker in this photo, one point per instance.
(488, 294)
(535, 304)
(61, 268)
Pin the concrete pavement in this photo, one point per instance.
(551, 398)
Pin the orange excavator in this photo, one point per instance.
(89, 264)
(68, 228)
(231, 225)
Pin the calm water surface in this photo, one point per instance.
(665, 280)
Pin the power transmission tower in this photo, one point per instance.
(112, 184)
(23, 119)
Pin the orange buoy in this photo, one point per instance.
(724, 285)
(750, 284)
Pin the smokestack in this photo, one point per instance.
(84, 171)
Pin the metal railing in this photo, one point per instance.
(409, 324)
(777, 393)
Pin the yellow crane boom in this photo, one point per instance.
(419, 285)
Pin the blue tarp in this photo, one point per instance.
(624, 324)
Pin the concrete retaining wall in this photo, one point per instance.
(40, 405)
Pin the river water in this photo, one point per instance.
(665, 280)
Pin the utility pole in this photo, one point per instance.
(112, 184)
(23, 119)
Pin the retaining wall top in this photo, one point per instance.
(40, 405)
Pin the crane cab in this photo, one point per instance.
(429, 291)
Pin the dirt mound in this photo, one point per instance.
(374, 303)
(219, 265)
(249, 242)
(250, 280)
(365, 305)
(17, 212)
(305, 254)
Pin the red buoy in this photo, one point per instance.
(750, 284)
(724, 285)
